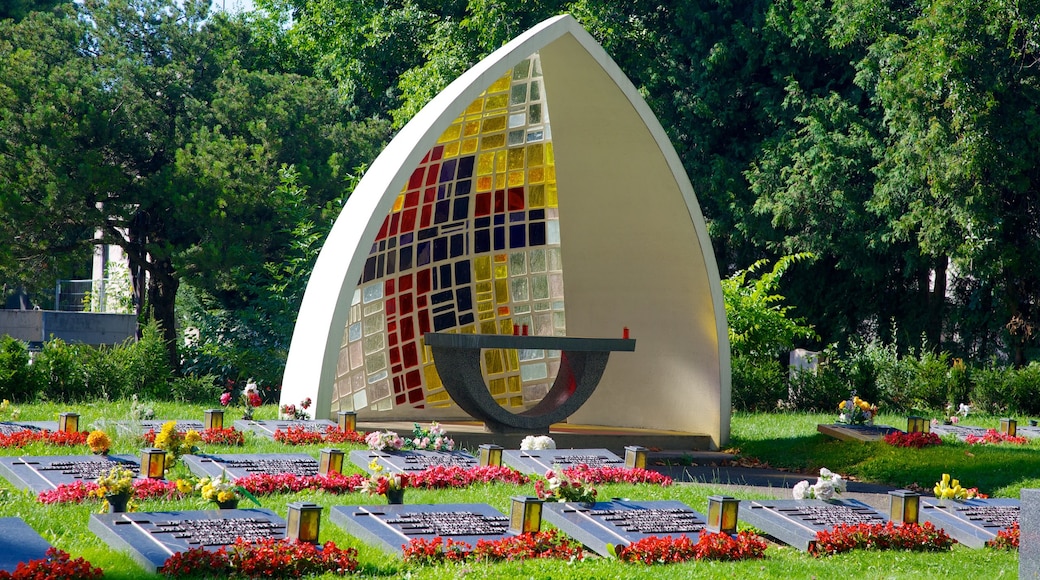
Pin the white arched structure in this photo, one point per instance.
(616, 207)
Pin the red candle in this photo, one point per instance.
(625, 332)
(525, 330)
(516, 330)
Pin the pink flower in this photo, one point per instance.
(225, 399)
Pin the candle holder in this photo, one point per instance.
(331, 460)
(635, 457)
(526, 515)
(347, 420)
(153, 463)
(916, 424)
(903, 506)
(490, 455)
(213, 419)
(303, 522)
(68, 422)
(722, 514)
(1008, 426)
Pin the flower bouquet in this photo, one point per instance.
(558, 486)
(828, 485)
(290, 411)
(384, 441)
(433, 439)
(249, 399)
(175, 443)
(948, 488)
(856, 411)
(537, 443)
(221, 491)
(392, 486)
(116, 487)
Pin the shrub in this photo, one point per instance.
(59, 369)
(1024, 385)
(146, 364)
(757, 386)
(104, 377)
(992, 392)
(930, 385)
(16, 379)
(195, 389)
(819, 389)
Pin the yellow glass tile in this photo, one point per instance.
(516, 179)
(497, 387)
(471, 128)
(427, 353)
(502, 291)
(484, 183)
(441, 397)
(500, 160)
(500, 181)
(493, 361)
(450, 134)
(398, 203)
(515, 158)
(513, 360)
(497, 102)
(535, 175)
(433, 380)
(469, 146)
(485, 306)
(488, 327)
(482, 269)
(476, 107)
(513, 384)
(550, 195)
(505, 326)
(516, 401)
(493, 124)
(493, 141)
(550, 174)
(484, 290)
(550, 157)
(501, 269)
(535, 153)
(485, 316)
(485, 164)
(536, 196)
(468, 329)
(501, 84)
(451, 149)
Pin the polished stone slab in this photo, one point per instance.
(846, 432)
(795, 522)
(19, 543)
(43, 473)
(542, 460)
(391, 527)
(238, 465)
(972, 522)
(12, 427)
(152, 537)
(412, 461)
(144, 426)
(1029, 534)
(621, 522)
(267, 427)
(959, 431)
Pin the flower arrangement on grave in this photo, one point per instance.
(7, 412)
(547, 544)
(392, 486)
(140, 411)
(225, 436)
(856, 411)
(384, 441)
(263, 558)
(709, 546)
(949, 488)
(81, 491)
(249, 398)
(537, 443)
(434, 438)
(98, 442)
(994, 437)
(290, 411)
(27, 436)
(116, 488)
(608, 474)
(1006, 539)
(176, 444)
(828, 485)
(887, 536)
(558, 486)
(54, 564)
(300, 435)
(222, 491)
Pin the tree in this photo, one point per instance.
(18, 9)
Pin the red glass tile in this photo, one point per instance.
(411, 199)
(398, 385)
(503, 311)
(383, 229)
(388, 287)
(408, 221)
(422, 281)
(407, 330)
(391, 309)
(392, 339)
(433, 174)
(413, 379)
(516, 198)
(396, 368)
(483, 204)
(425, 159)
(427, 216)
(415, 396)
(411, 355)
(404, 283)
(500, 201)
(405, 300)
(424, 322)
(430, 195)
(438, 151)
(415, 181)
(400, 400)
(395, 221)
(391, 326)
(420, 302)
(395, 355)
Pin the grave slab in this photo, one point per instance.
(391, 527)
(152, 537)
(622, 522)
(856, 432)
(412, 461)
(796, 521)
(266, 428)
(243, 464)
(19, 543)
(959, 431)
(141, 427)
(1029, 535)
(12, 427)
(542, 460)
(972, 522)
(43, 473)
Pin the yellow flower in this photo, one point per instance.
(841, 405)
(184, 486)
(192, 438)
(98, 442)
(225, 496)
(375, 467)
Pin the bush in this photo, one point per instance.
(196, 389)
(819, 390)
(17, 382)
(1024, 384)
(104, 377)
(145, 364)
(60, 371)
(756, 386)
(992, 392)
(931, 384)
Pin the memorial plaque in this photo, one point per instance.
(413, 461)
(391, 527)
(12, 427)
(19, 543)
(152, 537)
(846, 432)
(796, 521)
(266, 428)
(48, 472)
(540, 461)
(972, 522)
(142, 427)
(959, 431)
(243, 464)
(622, 522)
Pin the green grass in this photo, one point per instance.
(788, 440)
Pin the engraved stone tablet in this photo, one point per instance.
(266, 428)
(540, 461)
(12, 427)
(242, 464)
(152, 537)
(621, 522)
(412, 461)
(959, 431)
(19, 543)
(44, 473)
(796, 521)
(972, 522)
(856, 432)
(391, 527)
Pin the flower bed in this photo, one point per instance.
(262, 559)
(993, 436)
(1006, 539)
(299, 435)
(56, 565)
(266, 484)
(228, 436)
(888, 536)
(546, 545)
(27, 436)
(915, 440)
(83, 490)
(709, 546)
(598, 475)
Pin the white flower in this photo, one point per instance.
(838, 483)
(537, 442)
(802, 490)
(823, 490)
(963, 410)
(826, 473)
(250, 388)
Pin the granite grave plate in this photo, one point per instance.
(412, 461)
(266, 428)
(152, 537)
(543, 460)
(622, 522)
(959, 431)
(1029, 537)
(43, 473)
(972, 522)
(796, 521)
(243, 464)
(391, 527)
(12, 427)
(19, 543)
(847, 432)
(142, 427)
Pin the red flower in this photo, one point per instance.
(887, 536)
(709, 546)
(916, 440)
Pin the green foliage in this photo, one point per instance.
(145, 367)
(17, 383)
(59, 368)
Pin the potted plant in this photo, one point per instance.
(116, 487)
(221, 491)
(560, 487)
(392, 486)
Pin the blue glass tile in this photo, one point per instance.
(463, 299)
(482, 241)
(500, 238)
(448, 170)
(391, 262)
(375, 248)
(407, 238)
(462, 273)
(537, 214)
(466, 167)
(463, 187)
(440, 249)
(406, 258)
(461, 208)
(442, 191)
(500, 219)
(422, 254)
(382, 245)
(427, 233)
(370, 269)
(438, 297)
(517, 216)
(391, 243)
(465, 319)
(445, 276)
(444, 321)
(516, 236)
(458, 245)
(380, 265)
(536, 231)
(482, 222)
(441, 211)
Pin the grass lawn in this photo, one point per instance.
(781, 440)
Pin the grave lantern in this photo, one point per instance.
(303, 522)
(153, 463)
(1008, 426)
(526, 515)
(915, 424)
(722, 514)
(347, 420)
(68, 422)
(490, 455)
(213, 419)
(635, 457)
(331, 460)
(903, 506)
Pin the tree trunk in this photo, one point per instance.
(162, 295)
(937, 303)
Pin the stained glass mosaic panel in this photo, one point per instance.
(472, 245)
